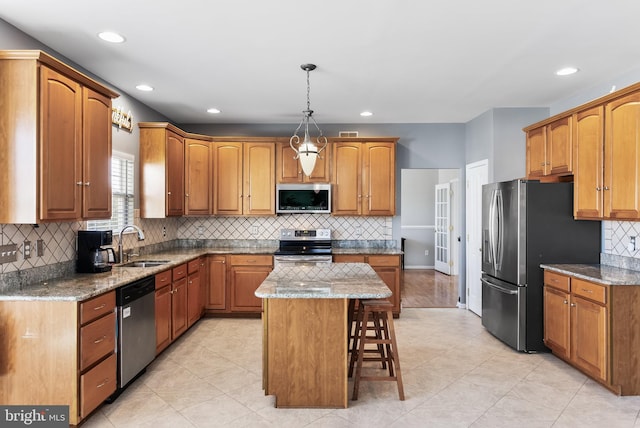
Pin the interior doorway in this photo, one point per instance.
(477, 174)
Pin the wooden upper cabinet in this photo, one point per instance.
(559, 147)
(536, 152)
(198, 177)
(622, 158)
(288, 168)
(227, 170)
(550, 149)
(55, 141)
(588, 151)
(244, 178)
(259, 179)
(364, 177)
(61, 149)
(161, 170)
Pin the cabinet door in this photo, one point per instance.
(60, 147)
(536, 152)
(198, 178)
(163, 318)
(556, 321)
(259, 179)
(227, 170)
(622, 158)
(589, 337)
(178, 308)
(244, 281)
(96, 148)
(194, 307)
(288, 168)
(175, 174)
(347, 178)
(391, 277)
(217, 290)
(588, 152)
(378, 179)
(559, 157)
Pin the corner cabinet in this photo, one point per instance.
(594, 328)
(56, 141)
(244, 178)
(162, 149)
(363, 176)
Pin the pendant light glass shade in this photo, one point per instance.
(307, 151)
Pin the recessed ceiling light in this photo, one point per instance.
(144, 87)
(566, 71)
(111, 37)
(213, 111)
(366, 114)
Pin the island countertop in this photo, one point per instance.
(323, 281)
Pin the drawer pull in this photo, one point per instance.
(180, 272)
(573, 305)
(104, 382)
(587, 291)
(97, 308)
(102, 339)
(565, 302)
(251, 261)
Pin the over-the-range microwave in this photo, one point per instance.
(312, 198)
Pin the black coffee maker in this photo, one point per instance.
(92, 257)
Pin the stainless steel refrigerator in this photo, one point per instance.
(525, 224)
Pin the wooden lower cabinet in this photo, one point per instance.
(216, 297)
(594, 327)
(78, 339)
(388, 269)
(246, 273)
(173, 312)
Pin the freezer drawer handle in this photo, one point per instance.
(500, 289)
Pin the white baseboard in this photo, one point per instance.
(418, 267)
(461, 305)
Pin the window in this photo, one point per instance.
(121, 194)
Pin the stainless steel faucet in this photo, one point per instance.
(140, 238)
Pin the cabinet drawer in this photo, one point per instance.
(97, 307)
(97, 384)
(348, 258)
(250, 260)
(193, 266)
(384, 261)
(163, 279)
(179, 272)
(97, 339)
(556, 280)
(589, 290)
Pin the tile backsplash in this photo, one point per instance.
(59, 238)
(617, 235)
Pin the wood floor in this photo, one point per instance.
(428, 289)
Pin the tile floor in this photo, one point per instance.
(455, 375)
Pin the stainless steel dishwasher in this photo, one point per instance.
(135, 304)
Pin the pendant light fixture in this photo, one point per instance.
(307, 151)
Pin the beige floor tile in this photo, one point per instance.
(221, 411)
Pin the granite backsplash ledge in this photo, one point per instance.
(622, 262)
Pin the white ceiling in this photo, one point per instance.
(407, 61)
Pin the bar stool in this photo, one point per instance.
(355, 319)
(380, 312)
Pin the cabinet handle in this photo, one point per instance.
(97, 308)
(573, 305)
(565, 302)
(598, 189)
(168, 193)
(587, 291)
(251, 261)
(88, 183)
(542, 164)
(104, 382)
(606, 187)
(100, 340)
(186, 195)
(79, 183)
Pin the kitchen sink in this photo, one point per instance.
(145, 263)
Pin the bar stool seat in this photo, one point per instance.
(380, 313)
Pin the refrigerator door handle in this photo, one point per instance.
(498, 288)
(500, 241)
(492, 217)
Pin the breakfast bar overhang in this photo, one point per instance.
(305, 330)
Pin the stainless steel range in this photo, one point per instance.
(304, 246)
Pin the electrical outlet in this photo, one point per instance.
(200, 230)
(254, 230)
(164, 232)
(358, 231)
(632, 243)
(39, 248)
(26, 249)
(426, 252)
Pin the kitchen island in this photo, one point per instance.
(305, 331)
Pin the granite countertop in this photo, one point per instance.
(323, 281)
(598, 273)
(367, 250)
